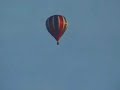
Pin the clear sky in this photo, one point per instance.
(88, 57)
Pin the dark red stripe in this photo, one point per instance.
(62, 30)
(61, 23)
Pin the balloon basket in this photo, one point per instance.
(57, 43)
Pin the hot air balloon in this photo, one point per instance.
(56, 26)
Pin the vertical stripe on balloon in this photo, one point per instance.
(65, 25)
(51, 24)
(66, 22)
(47, 24)
(61, 23)
(56, 24)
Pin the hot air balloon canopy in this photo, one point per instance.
(56, 26)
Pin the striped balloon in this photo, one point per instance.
(56, 26)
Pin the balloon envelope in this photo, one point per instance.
(56, 26)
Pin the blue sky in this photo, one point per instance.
(88, 57)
